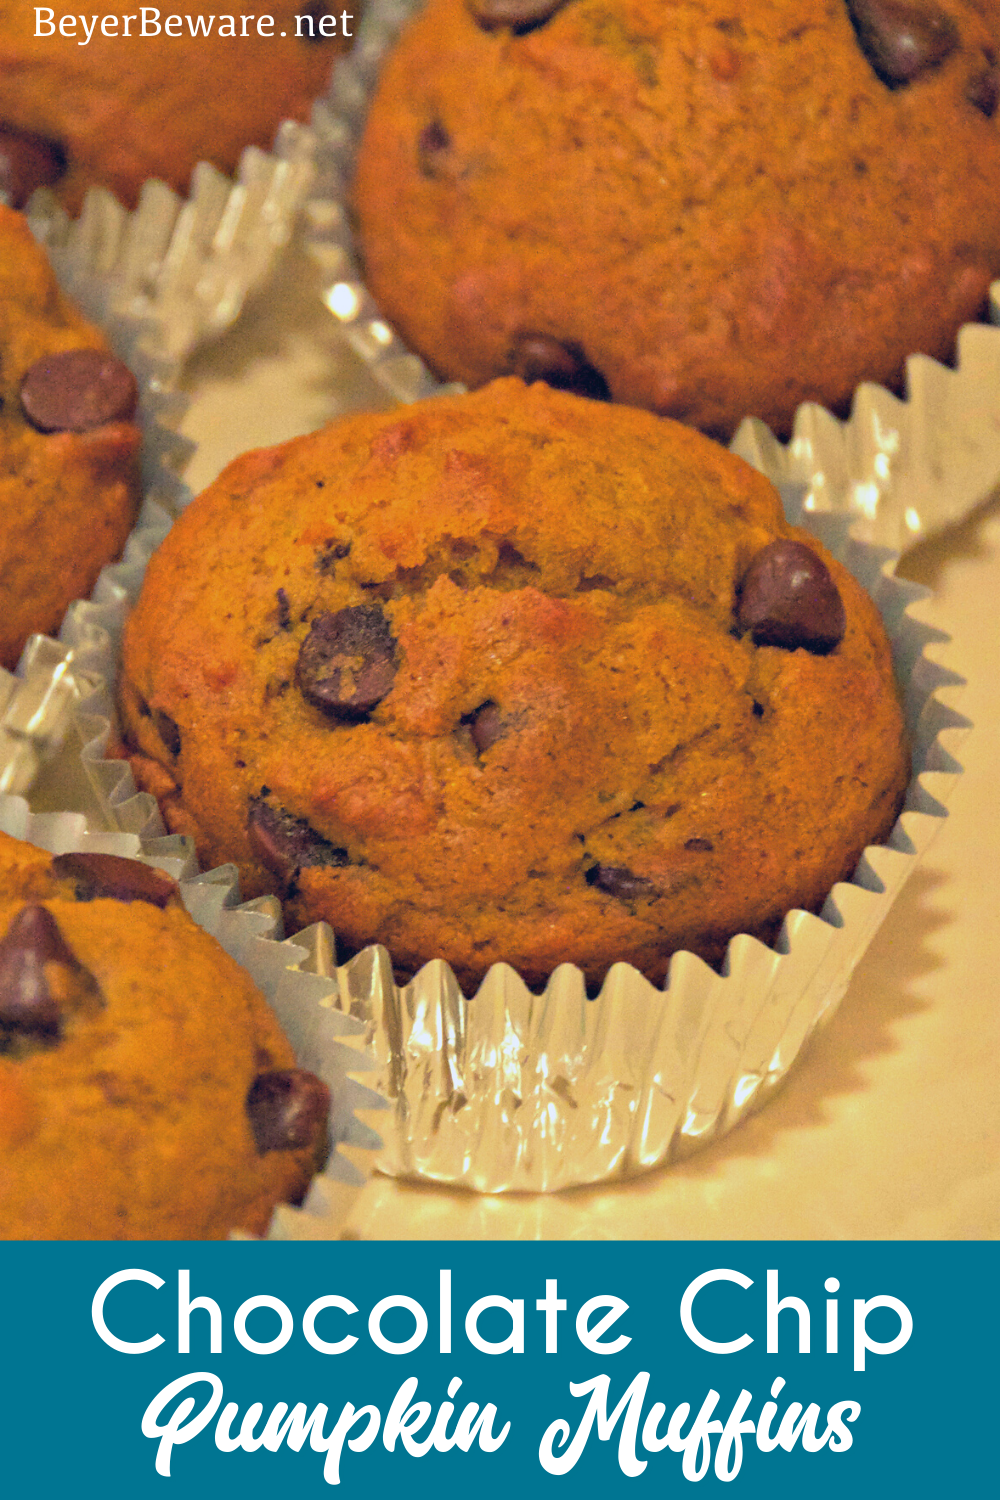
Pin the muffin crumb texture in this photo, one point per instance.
(709, 210)
(146, 1090)
(517, 677)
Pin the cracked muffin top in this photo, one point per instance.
(87, 105)
(146, 1089)
(710, 208)
(513, 676)
(69, 447)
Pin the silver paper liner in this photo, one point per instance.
(904, 469)
(180, 268)
(516, 1092)
(290, 975)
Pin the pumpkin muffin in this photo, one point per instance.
(712, 210)
(513, 676)
(146, 1090)
(69, 474)
(110, 110)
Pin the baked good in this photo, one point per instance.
(110, 110)
(513, 676)
(146, 1090)
(69, 473)
(713, 211)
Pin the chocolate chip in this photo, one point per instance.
(108, 875)
(27, 162)
(902, 40)
(787, 598)
(983, 91)
(519, 15)
(347, 662)
(536, 356)
(167, 729)
(287, 1109)
(699, 846)
(433, 144)
(284, 611)
(616, 881)
(27, 1004)
(78, 390)
(486, 726)
(285, 844)
(316, 12)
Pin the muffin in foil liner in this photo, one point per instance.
(512, 1091)
(181, 267)
(903, 469)
(290, 975)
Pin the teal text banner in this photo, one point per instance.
(499, 1369)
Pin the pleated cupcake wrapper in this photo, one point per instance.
(181, 268)
(903, 469)
(515, 1091)
(289, 973)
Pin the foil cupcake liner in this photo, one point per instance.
(512, 1091)
(903, 469)
(289, 974)
(180, 268)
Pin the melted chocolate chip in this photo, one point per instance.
(699, 846)
(285, 844)
(433, 145)
(519, 15)
(617, 881)
(284, 610)
(168, 730)
(27, 162)
(347, 662)
(983, 91)
(287, 1109)
(78, 390)
(902, 40)
(536, 356)
(28, 1007)
(108, 875)
(486, 726)
(787, 598)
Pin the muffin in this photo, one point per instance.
(69, 476)
(711, 211)
(513, 676)
(147, 1091)
(110, 110)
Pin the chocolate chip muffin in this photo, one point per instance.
(712, 210)
(513, 676)
(146, 1091)
(86, 107)
(69, 475)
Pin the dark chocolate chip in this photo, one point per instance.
(284, 611)
(168, 730)
(536, 356)
(347, 662)
(983, 91)
(78, 390)
(519, 15)
(287, 1109)
(433, 144)
(27, 1005)
(316, 11)
(699, 846)
(27, 162)
(616, 881)
(787, 598)
(486, 726)
(114, 878)
(903, 40)
(285, 844)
